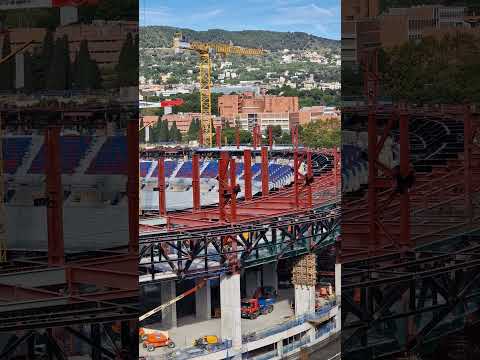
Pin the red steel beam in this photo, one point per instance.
(247, 175)
(264, 172)
(372, 178)
(222, 183)
(162, 199)
(233, 199)
(296, 178)
(405, 237)
(196, 182)
(132, 186)
(467, 144)
(55, 198)
(310, 176)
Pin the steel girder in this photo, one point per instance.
(210, 250)
(401, 303)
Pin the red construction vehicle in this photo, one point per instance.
(158, 339)
(252, 308)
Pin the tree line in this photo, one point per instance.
(52, 68)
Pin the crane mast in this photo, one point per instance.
(206, 52)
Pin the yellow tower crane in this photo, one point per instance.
(207, 51)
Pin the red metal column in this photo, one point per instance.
(132, 185)
(372, 178)
(218, 136)
(237, 137)
(247, 175)
(296, 169)
(56, 254)
(295, 137)
(264, 171)
(270, 137)
(309, 178)
(405, 241)
(196, 182)
(467, 145)
(233, 184)
(222, 184)
(255, 137)
(162, 200)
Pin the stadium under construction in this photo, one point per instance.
(223, 232)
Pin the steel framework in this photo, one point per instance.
(43, 292)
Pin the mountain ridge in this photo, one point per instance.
(153, 36)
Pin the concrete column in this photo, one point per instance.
(203, 302)
(270, 276)
(231, 321)
(304, 299)
(252, 282)
(338, 295)
(280, 349)
(169, 314)
(19, 71)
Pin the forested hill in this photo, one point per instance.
(161, 36)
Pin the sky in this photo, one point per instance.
(320, 17)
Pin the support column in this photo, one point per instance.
(203, 302)
(133, 185)
(162, 201)
(265, 180)
(168, 292)
(338, 296)
(280, 349)
(247, 168)
(96, 337)
(252, 282)
(218, 136)
(55, 198)
(304, 299)
(270, 275)
(231, 322)
(196, 182)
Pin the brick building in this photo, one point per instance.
(105, 38)
(248, 110)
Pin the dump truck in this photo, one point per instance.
(252, 308)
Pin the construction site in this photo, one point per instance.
(410, 229)
(237, 243)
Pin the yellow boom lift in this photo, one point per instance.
(207, 51)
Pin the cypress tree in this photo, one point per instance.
(28, 73)
(128, 63)
(7, 69)
(174, 134)
(57, 74)
(68, 68)
(45, 60)
(163, 135)
(87, 73)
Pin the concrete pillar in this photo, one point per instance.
(270, 276)
(280, 349)
(203, 302)
(252, 282)
(169, 314)
(231, 321)
(338, 295)
(304, 299)
(19, 71)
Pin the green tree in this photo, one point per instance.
(58, 71)
(319, 134)
(86, 72)
(7, 69)
(174, 134)
(127, 67)
(163, 133)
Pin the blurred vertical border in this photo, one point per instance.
(68, 179)
(410, 177)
